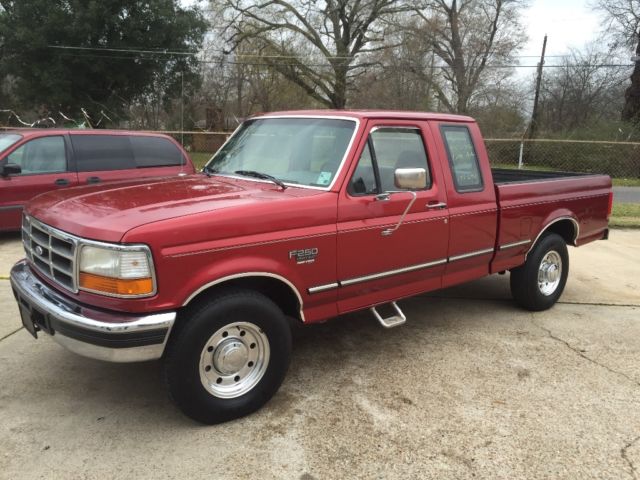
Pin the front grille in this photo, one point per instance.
(51, 252)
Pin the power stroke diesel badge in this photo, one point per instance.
(307, 255)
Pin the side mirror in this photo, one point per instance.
(410, 178)
(10, 169)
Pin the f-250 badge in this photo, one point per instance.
(307, 255)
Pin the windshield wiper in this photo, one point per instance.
(263, 176)
(208, 171)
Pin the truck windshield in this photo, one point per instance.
(8, 139)
(297, 151)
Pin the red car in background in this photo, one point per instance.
(37, 161)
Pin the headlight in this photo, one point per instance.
(121, 271)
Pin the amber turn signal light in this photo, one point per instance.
(116, 286)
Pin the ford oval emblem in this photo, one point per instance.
(39, 250)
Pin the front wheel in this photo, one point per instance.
(229, 358)
(538, 283)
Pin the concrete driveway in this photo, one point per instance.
(470, 387)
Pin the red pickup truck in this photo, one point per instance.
(301, 215)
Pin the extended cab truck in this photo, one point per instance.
(304, 215)
(34, 161)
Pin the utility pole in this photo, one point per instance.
(182, 108)
(532, 128)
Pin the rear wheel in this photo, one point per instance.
(229, 358)
(538, 283)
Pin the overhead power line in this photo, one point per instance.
(227, 61)
(236, 59)
(123, 50)
(164, 51)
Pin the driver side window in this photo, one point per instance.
(40, 155)
(388, 149)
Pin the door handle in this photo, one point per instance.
(62, 182)
(436, 205)
(93, 180)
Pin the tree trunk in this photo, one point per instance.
(631, 109)
(339, 98)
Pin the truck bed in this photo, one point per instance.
(502, 176)
(529, 200)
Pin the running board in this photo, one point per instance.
(393, 321)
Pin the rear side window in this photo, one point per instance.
(155, 152)
(462, 159)
(103, 152)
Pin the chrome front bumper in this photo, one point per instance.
(101, 334)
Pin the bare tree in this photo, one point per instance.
(402, 77)
(334, 37)
(622, 22)
(470, 37)
(581, 91)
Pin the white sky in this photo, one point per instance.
(568, 23)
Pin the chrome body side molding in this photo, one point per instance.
(397, 271)
(507, 246)
(476, 253)
(323, 288)
(388, 273)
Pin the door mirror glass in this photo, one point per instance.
(410, 178)
(10, 169)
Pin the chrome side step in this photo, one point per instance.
(393, 321)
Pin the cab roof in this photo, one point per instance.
(46, 132)
(372, 114)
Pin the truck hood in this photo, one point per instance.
(107, 212)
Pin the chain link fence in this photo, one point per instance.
(200, 145)
(617, 159)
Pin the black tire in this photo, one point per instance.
(525, 288)
(202, 322)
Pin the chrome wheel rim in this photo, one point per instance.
(234, 359)
(549, 273)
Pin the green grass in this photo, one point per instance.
(617, 182)
(534, 168)
(199, 159)
(626, 182)
(625, 215)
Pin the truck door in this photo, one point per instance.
(383, 253)
(45, 167)
(471, 200)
